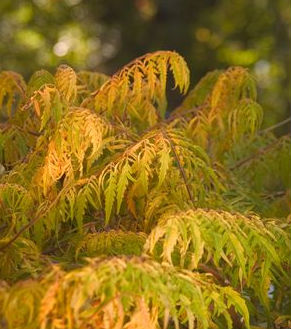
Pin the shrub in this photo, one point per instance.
(117, 214)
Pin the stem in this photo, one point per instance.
(279, 124)
(207, 269)
(182, 171)
(35, 219)
(258, 153)
(236, 318)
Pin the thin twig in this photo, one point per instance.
(259, 152)
(277, 194)
(236, 318)
(182, 171)
(182, 113)
(35, 219)
(277, 125)
(5, 126)
(218, 276)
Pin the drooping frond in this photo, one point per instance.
(201, 92)
(23, 170)
(14, 144)
(140, 86)
(38, 80)
(50, 97)
(234, 84)
(78, 141)
(152, 163)
(47, 105)
(245, 119)
(16, 204)
(244, 247)
(66, 83)
(122, 293)
(22, 314)
(88, 82)
(12, 92)
(227, 111)
(20, 260)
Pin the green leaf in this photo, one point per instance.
(110, 195)
(124, 176)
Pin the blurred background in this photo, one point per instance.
(104, 35)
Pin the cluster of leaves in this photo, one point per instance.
(113, 216)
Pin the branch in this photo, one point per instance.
(259, 152)
(236, 318)
(35, 219)
(279, 124)
(6, 125)
(218, 276)
(182, 171)
(177, 114)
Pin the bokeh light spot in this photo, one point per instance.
(202, 34)
(61, 48)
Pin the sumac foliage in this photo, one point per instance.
(116, 214)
